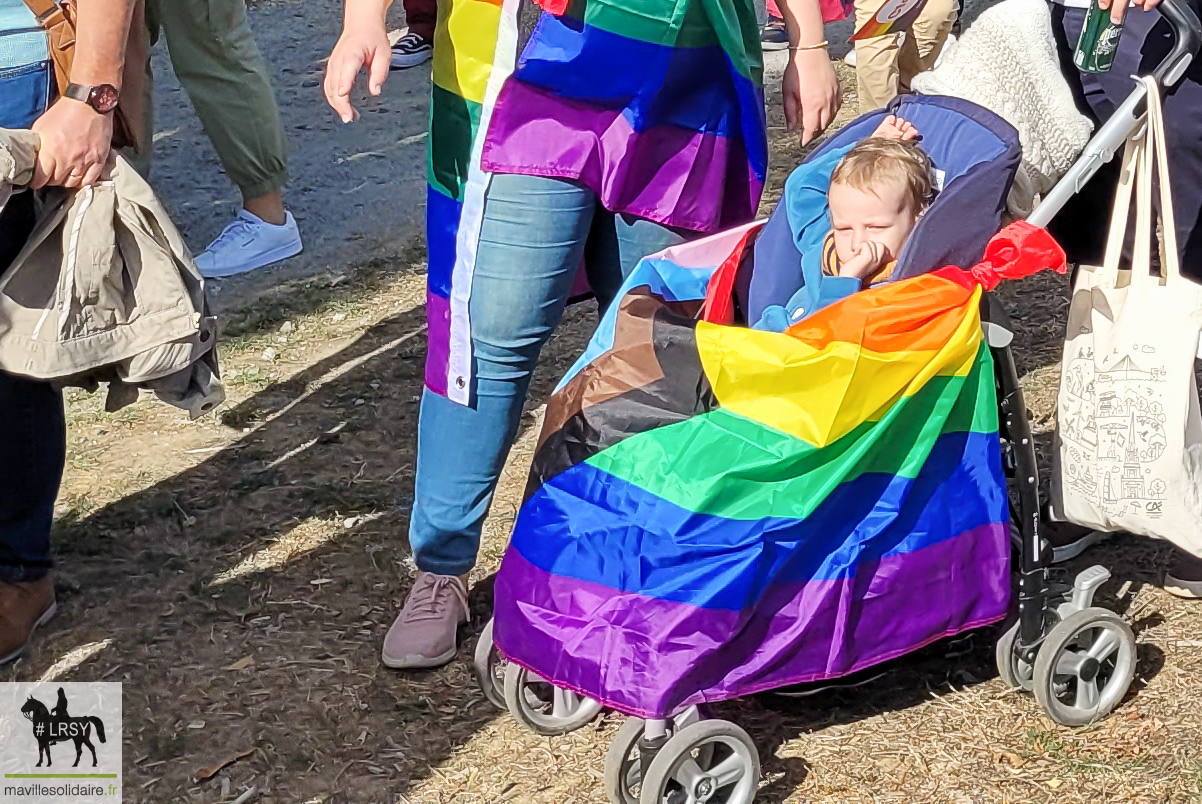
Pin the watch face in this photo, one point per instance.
(103, 98)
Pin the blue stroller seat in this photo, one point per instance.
(975, 154)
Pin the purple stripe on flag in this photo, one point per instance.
(670, 175)
(438, 342)
(650, 657)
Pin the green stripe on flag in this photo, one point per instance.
(723, 464)
(685, 24)
(680, 24)
(453, 124)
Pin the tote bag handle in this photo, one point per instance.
(1112, 261)
(1144, 159)
(1156, 163)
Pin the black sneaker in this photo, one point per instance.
(773, 36)
(410, 51)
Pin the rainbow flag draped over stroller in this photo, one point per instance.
(715, 511)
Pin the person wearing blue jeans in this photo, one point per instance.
(33, 432)
(573, 195)
(75, 143)
(534, 233)
(1081, 227)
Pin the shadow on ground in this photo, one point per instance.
(244, 600)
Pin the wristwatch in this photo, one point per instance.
(102, 97)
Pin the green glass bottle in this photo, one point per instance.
(1098, 42)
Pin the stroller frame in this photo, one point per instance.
(1035, 590)
(1049, 638)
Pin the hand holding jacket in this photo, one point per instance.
(75, 139)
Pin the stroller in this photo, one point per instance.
(1077, 659)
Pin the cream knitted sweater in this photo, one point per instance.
(1006, 61)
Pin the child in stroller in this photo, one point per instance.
(878, 191)
(575, 622)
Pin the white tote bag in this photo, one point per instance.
(1129, 434)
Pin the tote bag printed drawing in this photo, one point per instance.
(1129, 432)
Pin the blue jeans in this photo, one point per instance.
(534, 234)
(33, 432)
(33, 440)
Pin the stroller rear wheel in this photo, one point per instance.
(711, 762)
(1084, 667)
(544, 708)
(490, 668)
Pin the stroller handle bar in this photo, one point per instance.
(1129, 117)
(1188, 34)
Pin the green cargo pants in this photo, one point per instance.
(216, 60)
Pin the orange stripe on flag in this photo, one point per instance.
(909, 315)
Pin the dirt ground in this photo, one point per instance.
(237, 575)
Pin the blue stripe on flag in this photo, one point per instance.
(594, 527)
(442, 226)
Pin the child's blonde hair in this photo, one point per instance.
(877, 160)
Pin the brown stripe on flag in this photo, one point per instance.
(652, 376)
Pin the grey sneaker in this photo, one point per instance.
(423, 634)
(1185, 578)
(1069, 541)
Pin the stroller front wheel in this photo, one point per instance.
(712, 761)
(1016, 673)
(490, 668)
(1084, 667)
(544, 708)
(624, 763)
(623, 771)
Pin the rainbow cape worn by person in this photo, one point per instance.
(655, 105)
(715, 511)
(475, 43)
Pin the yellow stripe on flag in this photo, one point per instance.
(821, 394)
(465, 44)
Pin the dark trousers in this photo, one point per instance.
(421, 16)
(1081, 227)
(33, 441)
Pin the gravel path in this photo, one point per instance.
(357, 191)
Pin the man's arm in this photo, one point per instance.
(75, 138)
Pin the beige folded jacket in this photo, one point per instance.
(105, 291)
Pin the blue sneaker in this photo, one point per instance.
(410, 51)
(773, 36)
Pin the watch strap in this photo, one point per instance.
(79, 92)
